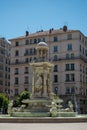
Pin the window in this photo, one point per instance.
(16, 70)
(6, 61)
(80, 67)
(80, 77)
(70, 77)
(67, 66)
(70, 66)
(6, 68)
(43, 39)
(30, 41)
(69, 36)
(83, 69)
(80, 48)
(1, 67)
(34, 51)
(30, 59)
(86, 52)
(70, 90)
(26, 60)
(86, 70)
(67, 56)
(83, 50)
(16, 53)
(69, 47)
(31, 51)
(27, 42)
(86, 80)
(56, 90)
(83, 79)
(55, 48)
(6, 76)
(55, 78)
(35, 59)
(16, 92)
(1, 75)
(26, 70)
(72, 55)
(16, 61)
(26, 89)
(16, 43)
(55, 68)
(26, 80)
(26, 52)
(35, 40)
(9, 76)
(67, 77)
(1, 82)
(1, 59)
(55, 58)
(5, 83)
(67, 90)
(16, 80)
(55, 39)
(39, 40)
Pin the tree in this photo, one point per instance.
(23, 95)
(3, 103)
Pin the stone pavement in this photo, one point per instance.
(43, 126)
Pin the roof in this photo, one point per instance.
(44, 33)
(42, 44)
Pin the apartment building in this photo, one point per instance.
(68, 53)
(4, 67)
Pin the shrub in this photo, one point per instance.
(3, 103)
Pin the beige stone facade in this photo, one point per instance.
(4, 66)
(68, 53)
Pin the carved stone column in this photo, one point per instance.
(50, 81)
(45, 87)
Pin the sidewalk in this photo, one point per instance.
(43, 126)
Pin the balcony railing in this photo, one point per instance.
(52, 60)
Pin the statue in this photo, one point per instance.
(70, 106)
(10, 106)
(38, 85)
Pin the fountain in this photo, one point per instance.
(42, 102)
(41, 81)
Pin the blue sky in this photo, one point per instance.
(17, 16)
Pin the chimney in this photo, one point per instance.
(27, 33)
(64, 28)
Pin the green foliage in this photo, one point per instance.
(23, 95)
(3, 103)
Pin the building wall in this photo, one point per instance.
(68, 47)
(4, 67)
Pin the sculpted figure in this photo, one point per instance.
(38, 85)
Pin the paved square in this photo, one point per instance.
(43, 126)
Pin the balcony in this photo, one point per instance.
(26, 83)
(29, 54)
(60, 59)
(26, 72)
(16, 73)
